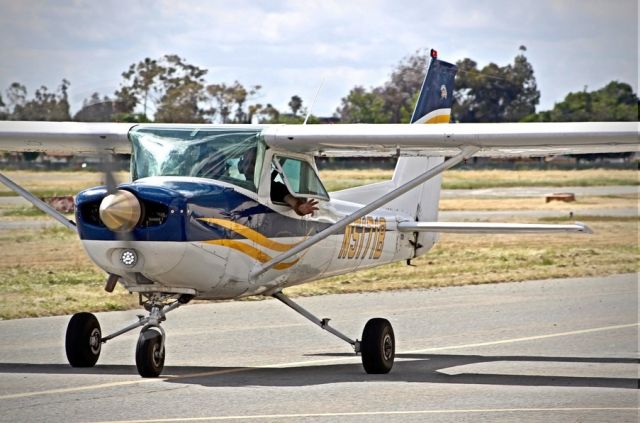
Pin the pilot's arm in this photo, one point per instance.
(280, 193)
(300, 205)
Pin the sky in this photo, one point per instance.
(291, 47)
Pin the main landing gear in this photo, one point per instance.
(378, 345)
(84, 337)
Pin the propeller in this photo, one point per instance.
(120, 211)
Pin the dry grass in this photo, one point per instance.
(463, 259)
(69, 183)
(47, 184)
(471, 179)
(529, 203)
(46, 271)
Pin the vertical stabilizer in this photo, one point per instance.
(433, 106)
(436, 94)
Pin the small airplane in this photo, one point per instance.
(200, 219)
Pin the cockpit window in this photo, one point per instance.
(300, 178)
(215, 153)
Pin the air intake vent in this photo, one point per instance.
(155, 214)
(90, 212)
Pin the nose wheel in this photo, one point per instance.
(84, 338)
(150, 353)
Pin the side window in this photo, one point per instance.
(300, 178)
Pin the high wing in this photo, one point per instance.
(492, 139)
(65, 137)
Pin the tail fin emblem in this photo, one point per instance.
(443, 92)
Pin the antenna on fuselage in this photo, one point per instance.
(313, 103)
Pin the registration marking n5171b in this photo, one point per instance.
(365, 235)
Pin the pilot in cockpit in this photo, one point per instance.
(279, 191)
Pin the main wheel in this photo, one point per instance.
(82, 342)
(150, 353)
(378, 346)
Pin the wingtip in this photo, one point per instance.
(584, 228)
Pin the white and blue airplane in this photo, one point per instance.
(204, 215)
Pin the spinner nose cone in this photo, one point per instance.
(121, 211)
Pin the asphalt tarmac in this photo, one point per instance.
(556, 350)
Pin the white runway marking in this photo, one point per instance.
(528, 338)
(378, 413)
(306, 362)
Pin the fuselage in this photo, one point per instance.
(203, 237)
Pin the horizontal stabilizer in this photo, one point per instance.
(490, 228)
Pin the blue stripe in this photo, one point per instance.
(187, 202)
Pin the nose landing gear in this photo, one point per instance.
(84, 339)
(150, 353)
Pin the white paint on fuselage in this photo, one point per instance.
(220, 272)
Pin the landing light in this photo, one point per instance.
(129, 257)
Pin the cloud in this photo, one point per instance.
(287, 46)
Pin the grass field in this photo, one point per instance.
(46, 272)
(45, 184)
(474, 179)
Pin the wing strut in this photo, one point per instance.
(38, 203)
(464, 154)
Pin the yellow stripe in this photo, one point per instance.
(249, 233)
(250, 251)
(439, 119)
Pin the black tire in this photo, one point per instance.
(82, 342)
(150, 353)
(378, 346)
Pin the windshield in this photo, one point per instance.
(214, 153)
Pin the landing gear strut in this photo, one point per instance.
(84, 338)
(378, 345)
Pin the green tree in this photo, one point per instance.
(495, 93)
(4, 114)
(229, 103)
(401, 91)
(173, 87)
(46, 105)
(295, 104)
(183, 91)
(492, 94)
(616, 101)
(362, 106)
(142, 85)
(96, 109)
(16, 96)
(392, 102)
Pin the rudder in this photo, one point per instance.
(433, 106)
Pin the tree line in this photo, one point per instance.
(170, 89)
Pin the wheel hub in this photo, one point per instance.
(157, 355)
(387, 347)
(94, 341)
